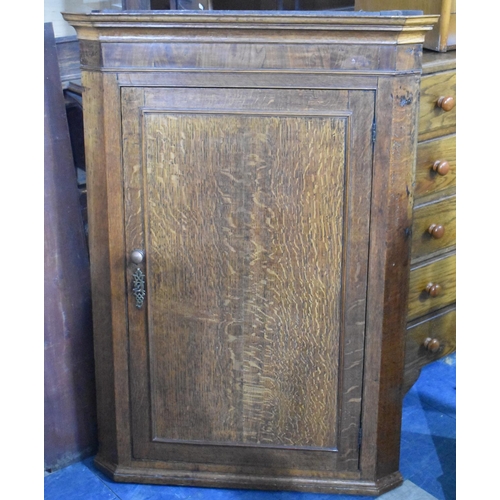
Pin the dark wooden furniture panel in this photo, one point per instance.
(250, 211)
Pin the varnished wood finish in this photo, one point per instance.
(434, 227)
(389, 240)
(435, 121)
(68, 56)
(431, 344)
(436, 231)
(427, 180)
(434, 212)
(433, 62)
(259, 214)
(439, 326)
(443, 36)
(440, 275)
(240, 154)
(441, 167)
(433, 289)
(446, 103)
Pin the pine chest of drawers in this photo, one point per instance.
(431, 332)
(250, 200)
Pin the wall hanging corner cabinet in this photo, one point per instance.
(250, 192)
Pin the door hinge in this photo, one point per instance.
(374, 131)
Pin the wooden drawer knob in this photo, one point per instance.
(432, 345)
(446, 103)
(433, 289)
(436, 231)
(442, 167)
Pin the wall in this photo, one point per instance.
(53, 9)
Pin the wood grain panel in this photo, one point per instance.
(441, 212)
(433, 121)
(265, 79)
(441, 271)
(236, 228)
(390, 245)
(235, 225)
(427, 181)
(442, 36)
(240, 55)
(434, 62)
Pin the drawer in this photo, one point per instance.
(432, 286)
(428, 340)
(436, 165)
(434, 227)
(435, 121)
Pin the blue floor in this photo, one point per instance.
(427, 457)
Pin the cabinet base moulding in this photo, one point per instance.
(136, 474)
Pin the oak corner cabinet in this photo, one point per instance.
(250, 196)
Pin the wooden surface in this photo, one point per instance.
(439, 326)
(441, 271)
(230, 280)
(68, 56)
(247, 211)
(69, 398)
(433, 260)
(433, 121)
(442, 212)
(442, 38)
(427, 181)
(269, 350)
(433, 62)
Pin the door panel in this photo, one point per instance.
(252, 208)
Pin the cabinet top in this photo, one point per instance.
(390, 26)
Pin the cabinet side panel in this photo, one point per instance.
(102, 127)
(99, 261)
(390, 239)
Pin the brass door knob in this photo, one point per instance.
(442, 167)
(446, 103)
(436, 231)
(433, 289)
(137, 256)
(432, 345)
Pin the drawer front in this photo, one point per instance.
(428, 340)
(436, 165)
(423, 298)
(434, 227)
(434, 121)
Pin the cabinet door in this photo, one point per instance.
(252, 209)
